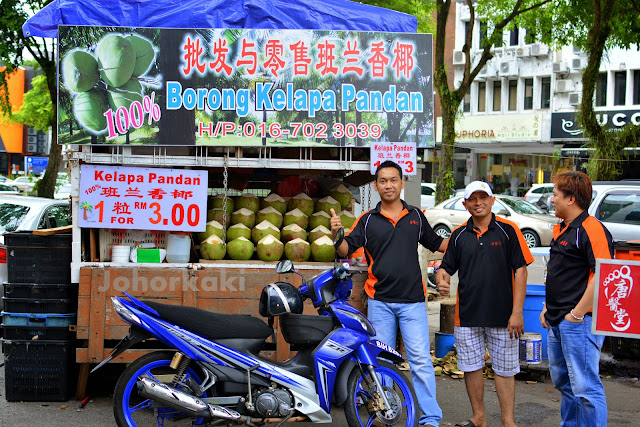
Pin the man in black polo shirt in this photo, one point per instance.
(491, 257)
(574, 352)
(390, 234)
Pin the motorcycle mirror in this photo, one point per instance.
(284, 266)
(339, 236)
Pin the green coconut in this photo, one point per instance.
(302, 202)
(270, 214)
(320, 218)
(125, 95)
(116, 59)
(342, 195)
(296, 216)
(213, 228)
(326, 204)
(318, 232)
(238, 230)
(218, 201)
(240, 248)
(274, 201)
(297, 250)
(323, 250)
(262, 230)
(80, 71)
(144, 54)
(293, 231)
(347, 219)
(213, 248)
(218, 215)
(269, 249)
(89, 108)
(248, 201)
(243, 216)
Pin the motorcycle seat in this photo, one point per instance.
(213, 326)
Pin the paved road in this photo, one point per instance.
(537, 403)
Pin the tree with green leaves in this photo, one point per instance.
(500, 15)
(13, 44)
(594, 26)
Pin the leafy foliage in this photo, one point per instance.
(36, 110)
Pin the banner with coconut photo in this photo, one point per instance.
(243, 87)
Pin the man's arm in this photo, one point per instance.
(443, 246)
(443, 282)
(585, 304)
(516, 321)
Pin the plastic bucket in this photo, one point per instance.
(531, 348)
(444, 344)
(178, 248)
(533, 304)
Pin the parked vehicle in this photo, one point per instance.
(8, 182)
(617, 205)
(25, 183)
(63, 191)
(211, 373)
(536, 226)
(7, 189)
(537, 191)
(427, 195)
(23, 213)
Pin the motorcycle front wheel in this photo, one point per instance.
(363, 399)
(130, 409)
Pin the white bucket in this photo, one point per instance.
(120, 253)
(178, 248)
(531, 348)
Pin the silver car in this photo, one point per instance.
(22, 213)
(536, 226)
(617, 205)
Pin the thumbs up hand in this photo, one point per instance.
(336, 222)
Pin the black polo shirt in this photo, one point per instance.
(391, 249)
(485, 262)
(572, 263)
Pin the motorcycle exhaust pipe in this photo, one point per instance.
(182, 401)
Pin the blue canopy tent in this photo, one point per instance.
(263, 14)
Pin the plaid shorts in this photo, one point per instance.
(504, 351)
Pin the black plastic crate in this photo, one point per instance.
(38, 264)
(625, 348)
(32, 333)
(41, 290)
(28, 305)
(38, 371)
(28, 239)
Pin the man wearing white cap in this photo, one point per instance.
(491, 257)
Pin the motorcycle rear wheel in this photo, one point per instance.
(399, 392)
(130, 410)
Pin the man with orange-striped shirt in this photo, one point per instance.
(574, 352)
(491, 257)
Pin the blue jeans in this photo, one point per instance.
(574, 364)
(414, 327)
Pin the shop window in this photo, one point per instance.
(466, 106)
(513, 95)
(636, 87)
(482, 97)
(514, 36)
(497, 95)
(620, 85)
(528, 94)
(601, 90)
(467, 24)
(545, 92)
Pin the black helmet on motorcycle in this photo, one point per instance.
(280, 298)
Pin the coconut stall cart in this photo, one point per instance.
(211, 140)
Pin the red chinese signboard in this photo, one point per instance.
(616, 305)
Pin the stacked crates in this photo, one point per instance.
(40, 304)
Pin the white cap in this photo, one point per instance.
(477, 186)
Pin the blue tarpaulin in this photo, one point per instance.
(267, 14)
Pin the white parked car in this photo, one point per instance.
(537, 191)
(25, 183)
(617, 205)
(427, 195)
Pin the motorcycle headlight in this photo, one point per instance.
(364, 322)
(124, 312)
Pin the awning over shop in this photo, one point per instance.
(267, 14)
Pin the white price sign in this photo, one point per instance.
(403, 153)
(142, 198)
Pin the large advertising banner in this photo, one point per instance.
(616, 305)
(243, 87)
(142, 198)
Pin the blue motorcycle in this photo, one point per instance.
(212, 373)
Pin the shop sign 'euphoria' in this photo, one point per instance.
(243, 87)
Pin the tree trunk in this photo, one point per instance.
(47, 185)
(445, 175)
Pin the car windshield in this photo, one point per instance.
(521, 207)
(11, 216)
